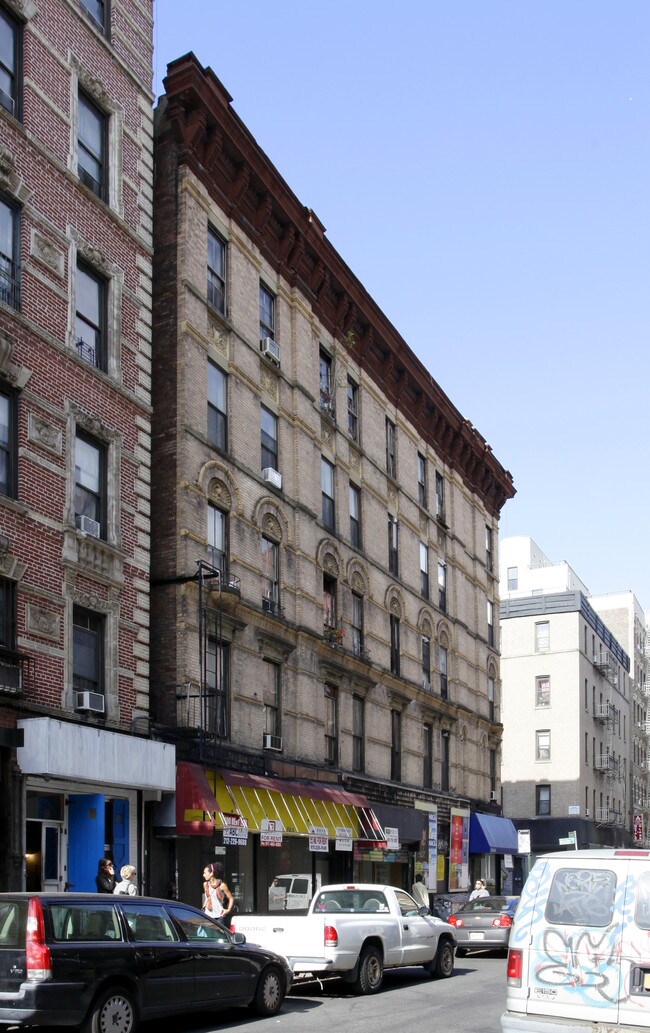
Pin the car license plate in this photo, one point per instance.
(477, 936)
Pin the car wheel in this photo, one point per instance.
(270, 991)
(371, 972)
(114, 1011)
(443, 964)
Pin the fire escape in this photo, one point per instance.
(606, 762)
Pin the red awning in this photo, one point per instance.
(196, 806)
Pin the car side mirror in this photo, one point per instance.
(424, 911)
(239, 938)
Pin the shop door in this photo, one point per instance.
(52, 873)
(121, 835)
(86, 838)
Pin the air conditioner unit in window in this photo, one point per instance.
(272, 742)
(272, 476)
(271, 349)
(93, 701)
(90, 526)
(494, 796)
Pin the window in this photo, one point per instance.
(424, 571)
(442, 662)
(218, 688)
(490, 623)
(489, 555)
(542, 800)
(90, 485)
(542, 637)
(91, 146)
(7, 618)
(513, 579)
(326, 383)
(491, 711)
(269, 424)
(493, 772)
(357, 625)
(425, 647)
(440, 497)
(394, 644)
(543, 745)
(327, 494)
(427, 756)
(444, 760)
(9, 63)
(87, 651)
(271, 577)
(217, 407)
(353, 410)
(391, 464)
(358, 733)
(217, 271)
(543, 691)
(97, 11)
(272, 674)
(395, 745)
(422, 480)
(393, 554)
(267, 313)
(331, 725)
(330, 622)
(442, 586)
(90, 326)
(9, 254)
(218, 539)
(355, 516)
(8, 442)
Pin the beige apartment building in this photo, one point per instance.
(324, 586)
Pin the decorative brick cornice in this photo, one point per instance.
(197, 117)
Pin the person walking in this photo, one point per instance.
(105, 878)
(419, 891)
(219, 901)
(127, 886)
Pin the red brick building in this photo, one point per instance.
(76, 764)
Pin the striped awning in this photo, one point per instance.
(299, 806)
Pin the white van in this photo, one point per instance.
(291, 892)
(579, 956)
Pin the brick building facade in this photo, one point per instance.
(75, 423)
(324, 583)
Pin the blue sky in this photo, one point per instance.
(483, 168)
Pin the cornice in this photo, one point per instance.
(196, 117)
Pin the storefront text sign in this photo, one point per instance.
(638, 828)
(235, 831)
(318, 840)
(392, 838)
(343, 838)
(459, 849)
(271, 832)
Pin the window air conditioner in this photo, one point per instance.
(90, 526)
(89, 701)
(494, 796)
(272, 742)
(272, 476)
(271, 349)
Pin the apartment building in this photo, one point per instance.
(76, 151)
(568, 706)
(324, 583)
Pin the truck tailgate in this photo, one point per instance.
(299, 938)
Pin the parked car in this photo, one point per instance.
(73, 959)
(484, 922)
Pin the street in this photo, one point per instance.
(471, 1001)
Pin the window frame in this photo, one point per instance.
(354, 498)
(427, 755)
(8, 615)
(101, 24)
(267, 301)
(422, 480)
(391, 446)
(394, 624)
(491, 697)
(357, 624)
(353, 410)
(543, 745)
(217, 395)
(218, 528)
(393, 545)
(489, 549)
(358, 733)
(95, 626)
(10, 268)
(269, 441)
(543, 800)
(424, 570)
(443, 664)
(98, 187)
(396, 745)
(491, 639)
(540, 692)
(440, 496)
(270, 576)
(542, 641)
(9, 448)
(273, 687)
(99, 349)
(328, 494)
(14, 74)
(217, 276)
(442, 587)
(326, 394)
(425, 661)
(512, 579)
(86, 492)
(217, 687)
(331, 724)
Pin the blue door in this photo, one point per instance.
(121, 835)
(86, 838)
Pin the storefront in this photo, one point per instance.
(83, 795)
(491, 839)
(278, 839)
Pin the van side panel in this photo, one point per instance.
(634, 1004)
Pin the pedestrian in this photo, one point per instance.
(480, 890)
(419, 891)
(219, 900)
(126, 887)
(105, 878)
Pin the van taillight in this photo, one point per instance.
(37, 954)
(514, 969)
(331, 936)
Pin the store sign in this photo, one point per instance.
(235, 835)
(459, 849)
(523, 841)
(343, 838)
(392, 838)
(431, 879)
(318, 841)
(638, 828)
(271, 832)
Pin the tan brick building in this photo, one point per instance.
(75, 423)
(324, 583)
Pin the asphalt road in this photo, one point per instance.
(471, 1001)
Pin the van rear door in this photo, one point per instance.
(13, 924)
(634, 1001)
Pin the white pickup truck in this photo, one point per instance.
(356, 931)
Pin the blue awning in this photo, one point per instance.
(490, 834)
